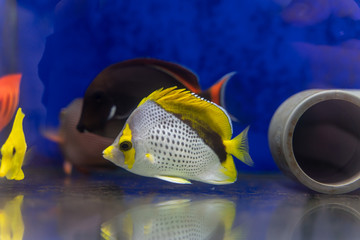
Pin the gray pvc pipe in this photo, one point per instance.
(314, 137)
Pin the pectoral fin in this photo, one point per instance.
(150, 157)
(173, 179)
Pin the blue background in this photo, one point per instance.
(277, 48)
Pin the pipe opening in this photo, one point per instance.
(326, 142)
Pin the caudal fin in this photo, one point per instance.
(239, 147)
(216, 93)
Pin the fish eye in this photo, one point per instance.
(14, 151)
(98, 96)
(125, 146)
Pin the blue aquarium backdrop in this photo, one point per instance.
(276, 47)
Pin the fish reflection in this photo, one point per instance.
(176, 219)
(317, 218)
(11, 221)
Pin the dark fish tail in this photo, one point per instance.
(216, 93)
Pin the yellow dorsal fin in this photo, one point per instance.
(194, 108)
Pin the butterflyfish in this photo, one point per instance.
(177, 136)
(116, 91)
(9, 97)
(13, 151)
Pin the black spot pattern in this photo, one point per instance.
(176, 147)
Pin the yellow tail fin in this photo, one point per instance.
(239, 147)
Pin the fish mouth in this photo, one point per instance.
(107, 153)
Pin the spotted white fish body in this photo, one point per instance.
(167, 146)
(158, 141)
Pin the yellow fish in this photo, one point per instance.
(176, 136)
(13, 150)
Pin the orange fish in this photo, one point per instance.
(9, 97)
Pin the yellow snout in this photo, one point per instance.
(107, 153)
